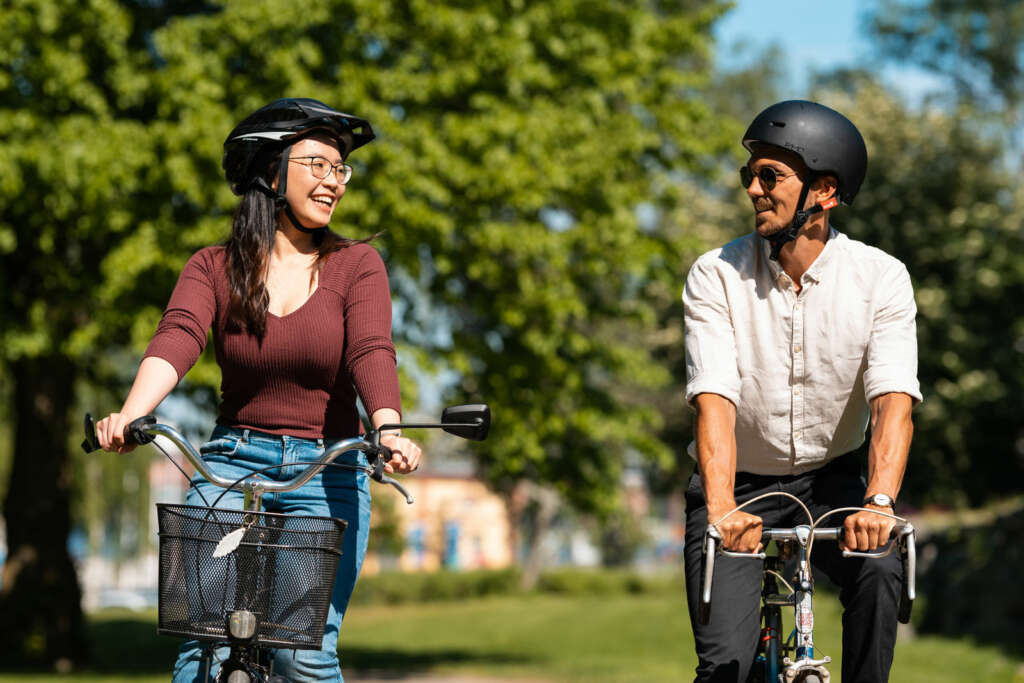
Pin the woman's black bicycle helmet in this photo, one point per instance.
(274, 129)
(826, 141)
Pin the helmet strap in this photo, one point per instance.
(282, 188)
(788, 234)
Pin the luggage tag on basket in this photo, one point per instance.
(231, 540)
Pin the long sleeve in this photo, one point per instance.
(181, 335)
(369, 351)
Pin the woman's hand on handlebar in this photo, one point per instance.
(110, 433)
(405, 453)
(740, 531)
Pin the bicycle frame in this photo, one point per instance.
(778, 666)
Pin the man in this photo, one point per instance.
(796, 337)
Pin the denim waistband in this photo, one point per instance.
(246, 435)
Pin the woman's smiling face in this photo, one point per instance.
(313, 199)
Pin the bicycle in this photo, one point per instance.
(250, 580)
(793, 660)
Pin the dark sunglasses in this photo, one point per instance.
(766, 175)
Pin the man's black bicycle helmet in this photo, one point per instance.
(275, 128)
(826, 141)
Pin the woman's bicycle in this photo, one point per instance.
(793, 660)
(246, 580)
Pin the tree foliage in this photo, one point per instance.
(976, 44)
(518, 143)
(938, 197)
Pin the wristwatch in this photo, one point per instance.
(881, 500)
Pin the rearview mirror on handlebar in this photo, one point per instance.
(470, 421)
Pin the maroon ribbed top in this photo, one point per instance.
(302, 378)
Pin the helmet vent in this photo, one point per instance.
(778, 124)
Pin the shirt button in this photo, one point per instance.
(797, 435)
(796, 349)
(796, 391)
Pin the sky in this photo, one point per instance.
(827, 34)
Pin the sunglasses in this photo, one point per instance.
(766, 175)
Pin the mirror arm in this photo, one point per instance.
(414, 425)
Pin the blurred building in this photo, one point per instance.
(456, 523)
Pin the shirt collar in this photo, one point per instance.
(827, 255)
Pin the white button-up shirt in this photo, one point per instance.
(800, 368)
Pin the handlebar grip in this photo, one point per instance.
(383, 455)
(90, 443)
(711, 538)
(909, 558)
(135, 433)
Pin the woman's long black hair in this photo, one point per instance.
(248, 253)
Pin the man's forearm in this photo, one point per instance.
(716, 451)
(891, 431)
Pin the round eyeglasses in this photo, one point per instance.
(766, 175)
(321, 167)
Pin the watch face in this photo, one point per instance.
(880, 499)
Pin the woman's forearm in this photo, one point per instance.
(155, 379)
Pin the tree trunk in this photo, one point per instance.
(539, 506)
(41, 619)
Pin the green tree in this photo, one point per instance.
(976, 44)
(518, 141)
(939, 197)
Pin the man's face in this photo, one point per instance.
(774, 208)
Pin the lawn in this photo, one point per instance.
(614, 638)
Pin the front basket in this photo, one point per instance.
(282, 571)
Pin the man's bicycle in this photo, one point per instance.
(793, 660)
(246, 580)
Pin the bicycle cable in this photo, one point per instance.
(236, 482)
(174, 462)
(810, 518)
(815, 523)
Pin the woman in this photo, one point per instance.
(301, 322)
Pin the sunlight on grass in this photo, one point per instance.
(614, 638)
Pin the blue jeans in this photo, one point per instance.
(336, 492)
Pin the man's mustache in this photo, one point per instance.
(762, 204)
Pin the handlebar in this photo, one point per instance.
(145, 429)
(903, 537)
(468, 421)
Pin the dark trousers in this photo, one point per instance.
(869, 589)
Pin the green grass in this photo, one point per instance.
(608, 638)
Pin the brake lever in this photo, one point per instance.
(384, 479)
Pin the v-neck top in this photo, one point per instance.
(302, 377)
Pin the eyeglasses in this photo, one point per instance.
(321, 167)
(766, 175)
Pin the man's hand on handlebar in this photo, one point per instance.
(740, 531)
(865, 531)
(405, 453)
(110, 433)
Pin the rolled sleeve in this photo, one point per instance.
(710, 339)
(892, 347)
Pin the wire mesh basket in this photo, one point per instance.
(282, 571)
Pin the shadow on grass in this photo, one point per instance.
(128, 643)
(386, 661)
